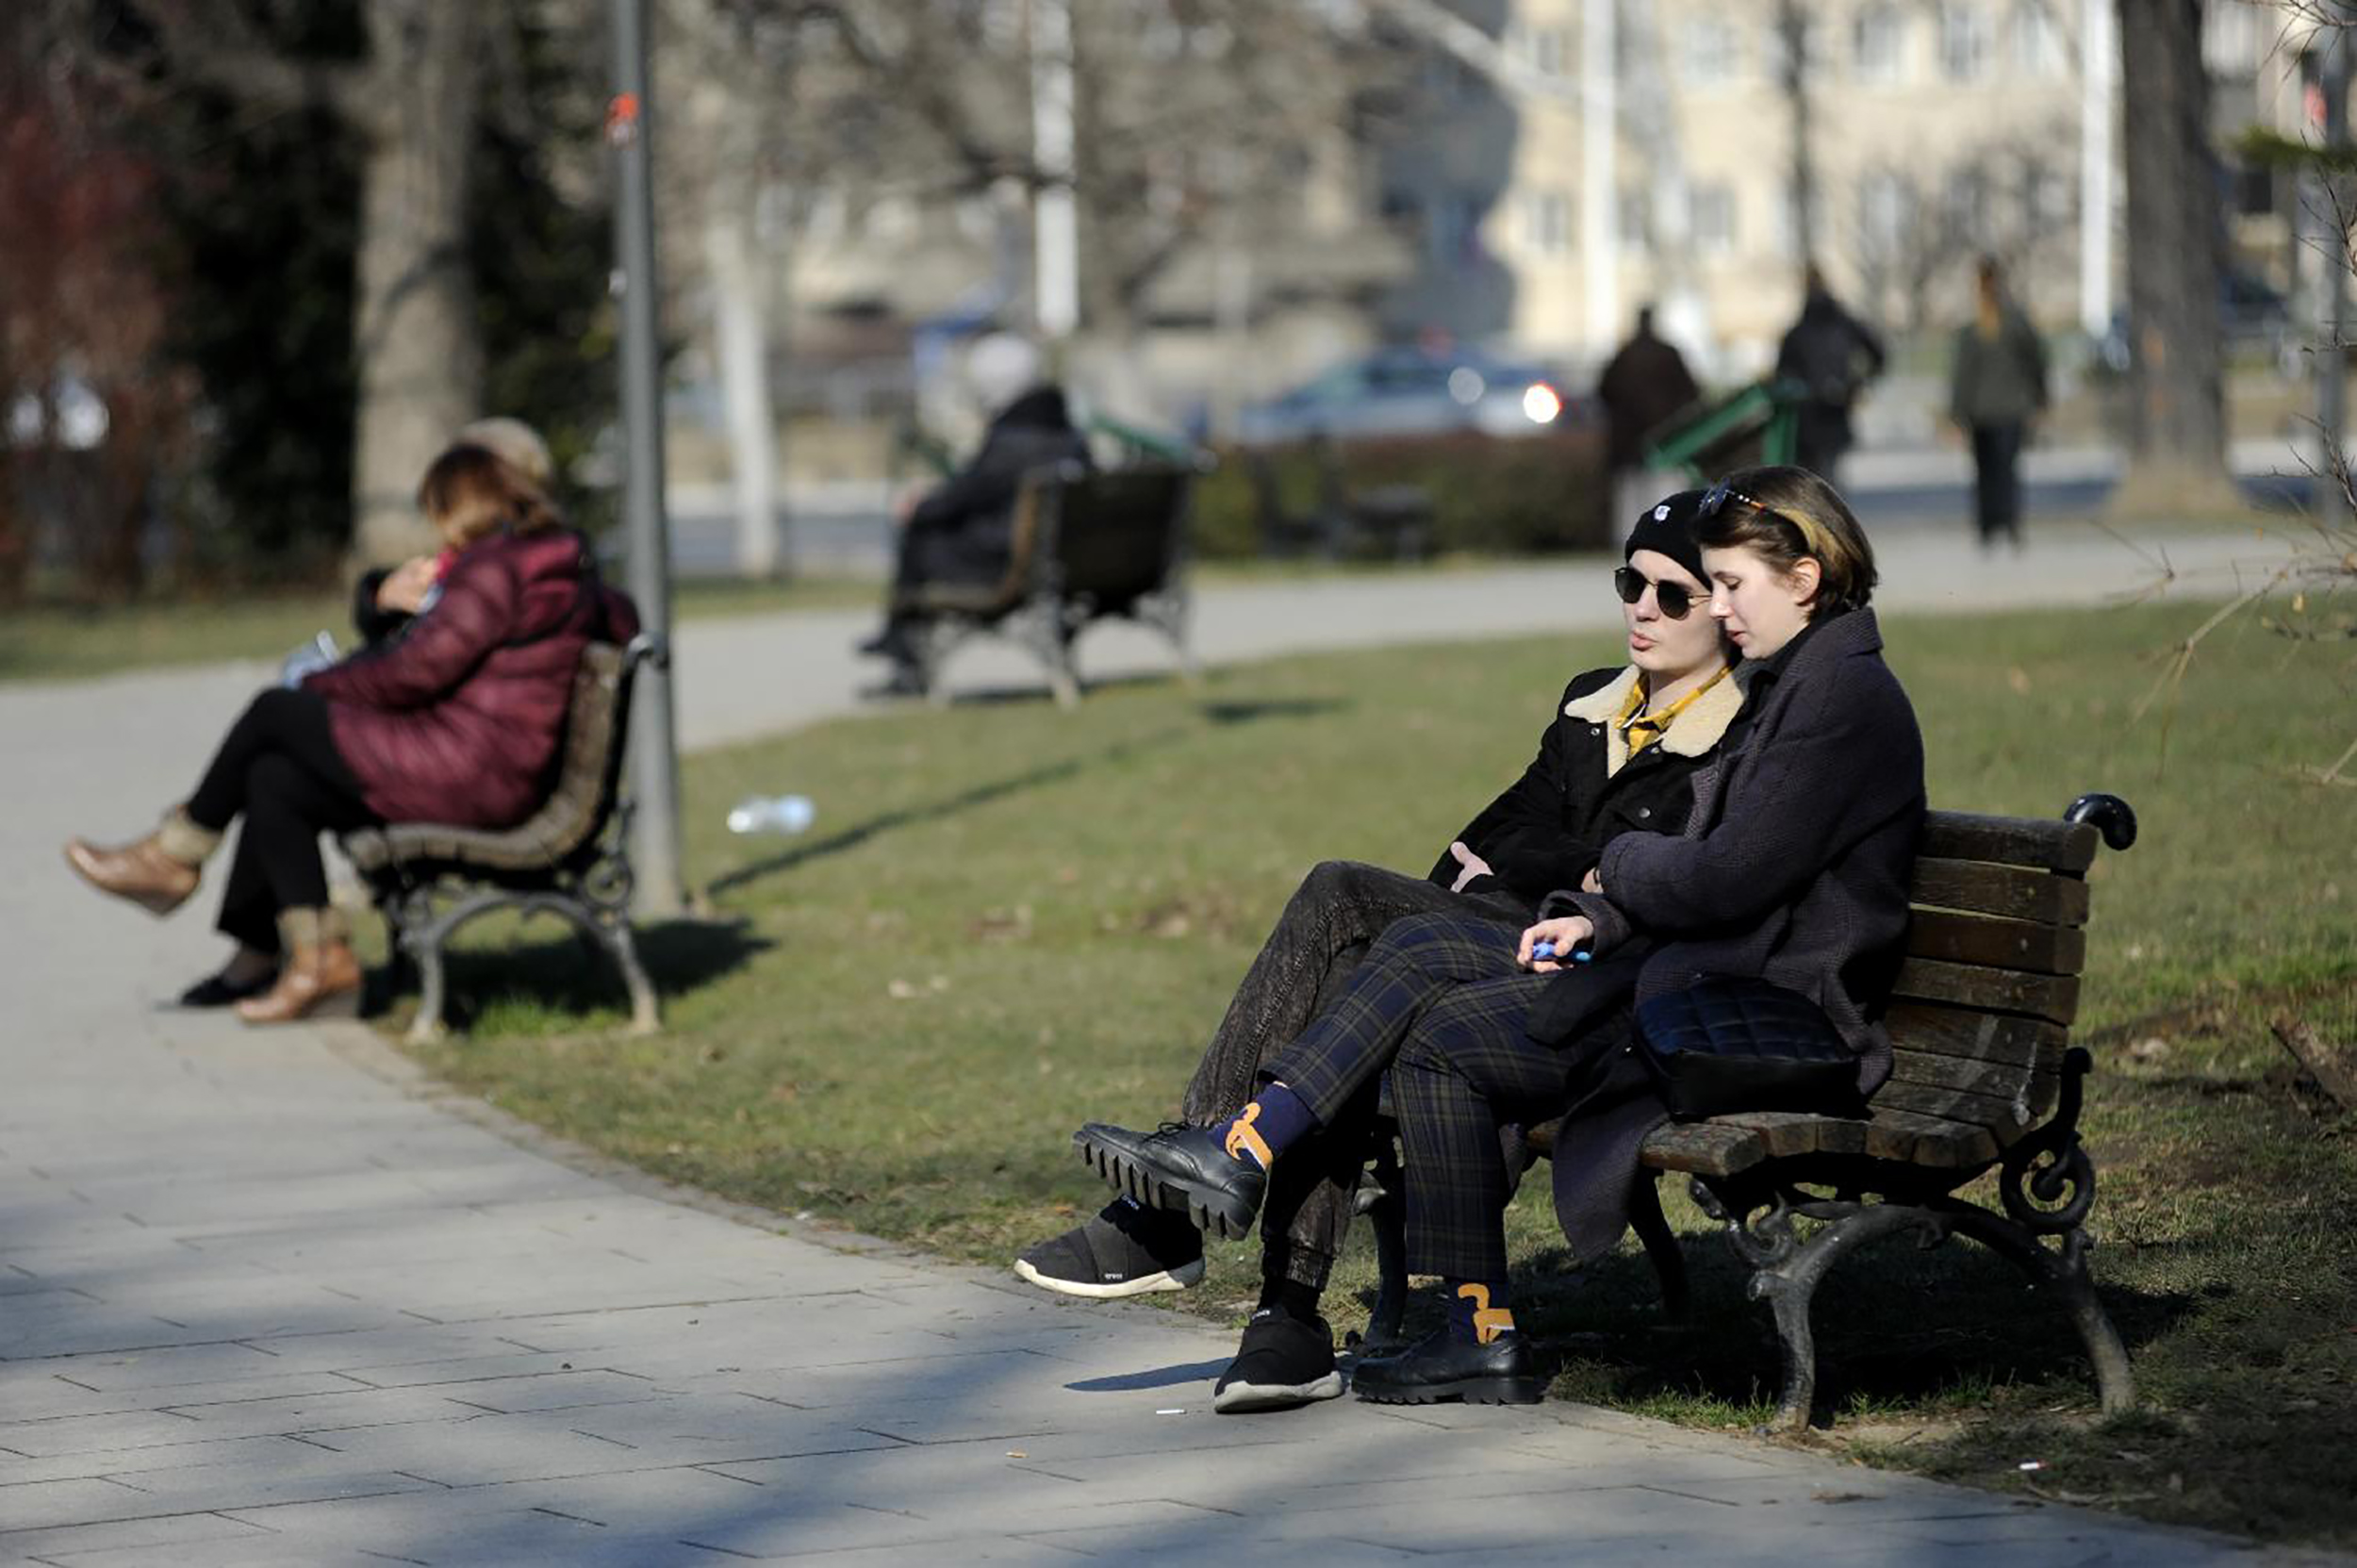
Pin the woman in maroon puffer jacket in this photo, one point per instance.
(457, 721)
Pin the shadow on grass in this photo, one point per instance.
(567, 975)
(998, 790)
(1896, 1326)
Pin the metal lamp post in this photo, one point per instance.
(654, 759)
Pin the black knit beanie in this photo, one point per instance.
(1668, 526)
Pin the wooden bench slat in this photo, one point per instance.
(1704, 1149)
(1785, 1133)
(2004, 1117)
(1982, 1036)
(2005, 1080)
(1997, 944)
(1897, 1133)
(2016, 892)
(2047, 843)
(2051, 997)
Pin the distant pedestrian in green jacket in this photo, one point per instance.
(1999, 387)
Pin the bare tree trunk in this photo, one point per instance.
(740, 332)
(2177, 420)
(1791, 24)
(416, 345)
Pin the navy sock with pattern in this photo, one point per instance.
(1265, 1128)
(1477, 1310)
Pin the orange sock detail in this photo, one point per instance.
(1488, 1322)
(1243, 1140)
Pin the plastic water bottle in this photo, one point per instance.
(778, 814)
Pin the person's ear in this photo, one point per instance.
(1805, 577)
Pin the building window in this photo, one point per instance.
(1712, 55)
(1879, 44)
(1550, 50)
(1547, 222)
(1886, 211)
(1963, 40)
(1714, 220)
(2037, 44)
(1967, 203)
(1636, 219)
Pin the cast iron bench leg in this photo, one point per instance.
(1661, 1246)
(1388, 1215)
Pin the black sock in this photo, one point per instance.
(1477, 1310)
(1291, 1298)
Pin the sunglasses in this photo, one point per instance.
(1715, 501)
(1675, 598)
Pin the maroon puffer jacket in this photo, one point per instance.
(458, 720)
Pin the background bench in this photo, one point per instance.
(570, 858)
(1983, 1078)
(1085, 546)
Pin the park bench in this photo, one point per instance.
(1983, 1078)
(570, 858)
(1084, 547)
(1343, 523)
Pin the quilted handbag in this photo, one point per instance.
(1730, 1044)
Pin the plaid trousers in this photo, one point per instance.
(1467, 1067)
(1318, 944)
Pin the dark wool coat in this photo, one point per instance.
(963, 531)
(1551, 825)
(1642, 386)
(458, 719)
(1793, 868)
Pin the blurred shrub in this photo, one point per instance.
(1527, 495)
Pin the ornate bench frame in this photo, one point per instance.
(1985, 1079)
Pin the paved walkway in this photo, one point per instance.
(264, 1299)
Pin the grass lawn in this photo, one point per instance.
(1010, 920)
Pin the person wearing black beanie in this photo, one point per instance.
(1291, 1072)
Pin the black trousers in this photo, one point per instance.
(1997, 480)
(279, 770)
(1303, 968)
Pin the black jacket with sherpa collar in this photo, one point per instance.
(1551, 825)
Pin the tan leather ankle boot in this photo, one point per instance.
(320, 978)
(157, 872)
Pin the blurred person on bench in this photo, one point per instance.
(1619, 756)
(458, 720)
(386, 598)
(961, 531)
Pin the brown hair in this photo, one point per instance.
(470, 492)
(1792, 515)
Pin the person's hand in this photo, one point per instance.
(1591, 883)
(1566, 931)
(906, 499)
(405, 588)
(1473, 865)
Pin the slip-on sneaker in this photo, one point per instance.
(1125, 1250)
(1177, 1168)
(1442, 1367)
(1283, 1363)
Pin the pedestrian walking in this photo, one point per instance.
(1644, 386)
(1998, 386)
(1832, 354)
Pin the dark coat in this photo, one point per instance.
(1793, 868)
(1833, 355)
(457, 718)
(963, 529)
(1551, 825)
(1642, 386)
(1999, 379)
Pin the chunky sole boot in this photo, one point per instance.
(1179, 1168)
(1440, 1367)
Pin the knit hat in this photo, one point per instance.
(1668, 527)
